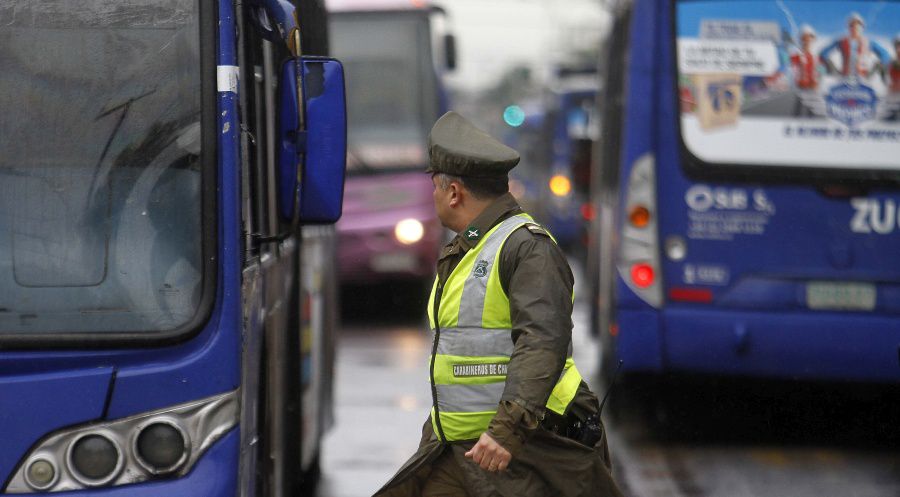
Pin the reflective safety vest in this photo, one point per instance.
(473, 342)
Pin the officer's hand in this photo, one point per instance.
(490, 455)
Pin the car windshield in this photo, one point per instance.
(391, 91)
(99, 165)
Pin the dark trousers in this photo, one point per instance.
(446, 478)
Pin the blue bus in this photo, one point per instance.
(555, 138)
(171, 171)
(748, 220)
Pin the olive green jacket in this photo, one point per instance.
(537, 278)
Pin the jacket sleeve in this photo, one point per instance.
(537, 279)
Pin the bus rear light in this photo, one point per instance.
(588, 212)
(642, 275)
(676, 248)
(696, 295)
(560, 185)
(639, 216)
(614, 329)
(639, 252)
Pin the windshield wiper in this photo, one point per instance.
(126, 106)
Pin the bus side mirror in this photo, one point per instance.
(450, 52)
(312, 147)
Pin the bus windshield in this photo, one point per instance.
(100, 222)
(810, 83)
(391, 88)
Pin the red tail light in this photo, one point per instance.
(588, 212)
(642, 275)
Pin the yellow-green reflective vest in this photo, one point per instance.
(473, 342)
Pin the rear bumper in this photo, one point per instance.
(804, 346)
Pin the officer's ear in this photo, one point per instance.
(455, 194)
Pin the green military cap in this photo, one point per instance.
(458, 148)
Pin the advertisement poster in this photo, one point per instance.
(803, 83)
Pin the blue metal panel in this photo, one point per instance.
(215, 475)
(640, 109)
(32, 405)
(639, 344)
(832, 346)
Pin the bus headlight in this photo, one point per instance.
(409, 231)
(161, 447)
(94, 459)
(167, 442)
(41, 474)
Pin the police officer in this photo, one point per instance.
(511, 415)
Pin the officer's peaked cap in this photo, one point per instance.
(458, 148)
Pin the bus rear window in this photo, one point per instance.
(790, 83)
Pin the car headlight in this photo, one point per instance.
(409, 231)
(165, 442)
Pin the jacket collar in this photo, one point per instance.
(503, 207)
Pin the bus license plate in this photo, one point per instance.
(822, 295)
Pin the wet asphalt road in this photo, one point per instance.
(382, 399)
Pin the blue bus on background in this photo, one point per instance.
(750, 230)
(170, 172)
(573, 130)
(554, 136)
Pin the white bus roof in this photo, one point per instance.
(369, 5)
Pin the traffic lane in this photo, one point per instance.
(649, 468)
(381, 400)
(383, 397)
(698, 436)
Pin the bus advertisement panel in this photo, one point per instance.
(748, 185)
(812, 84)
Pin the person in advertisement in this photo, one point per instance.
(511, 414)
(894, 70)
(805, 64)
(854, 50)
